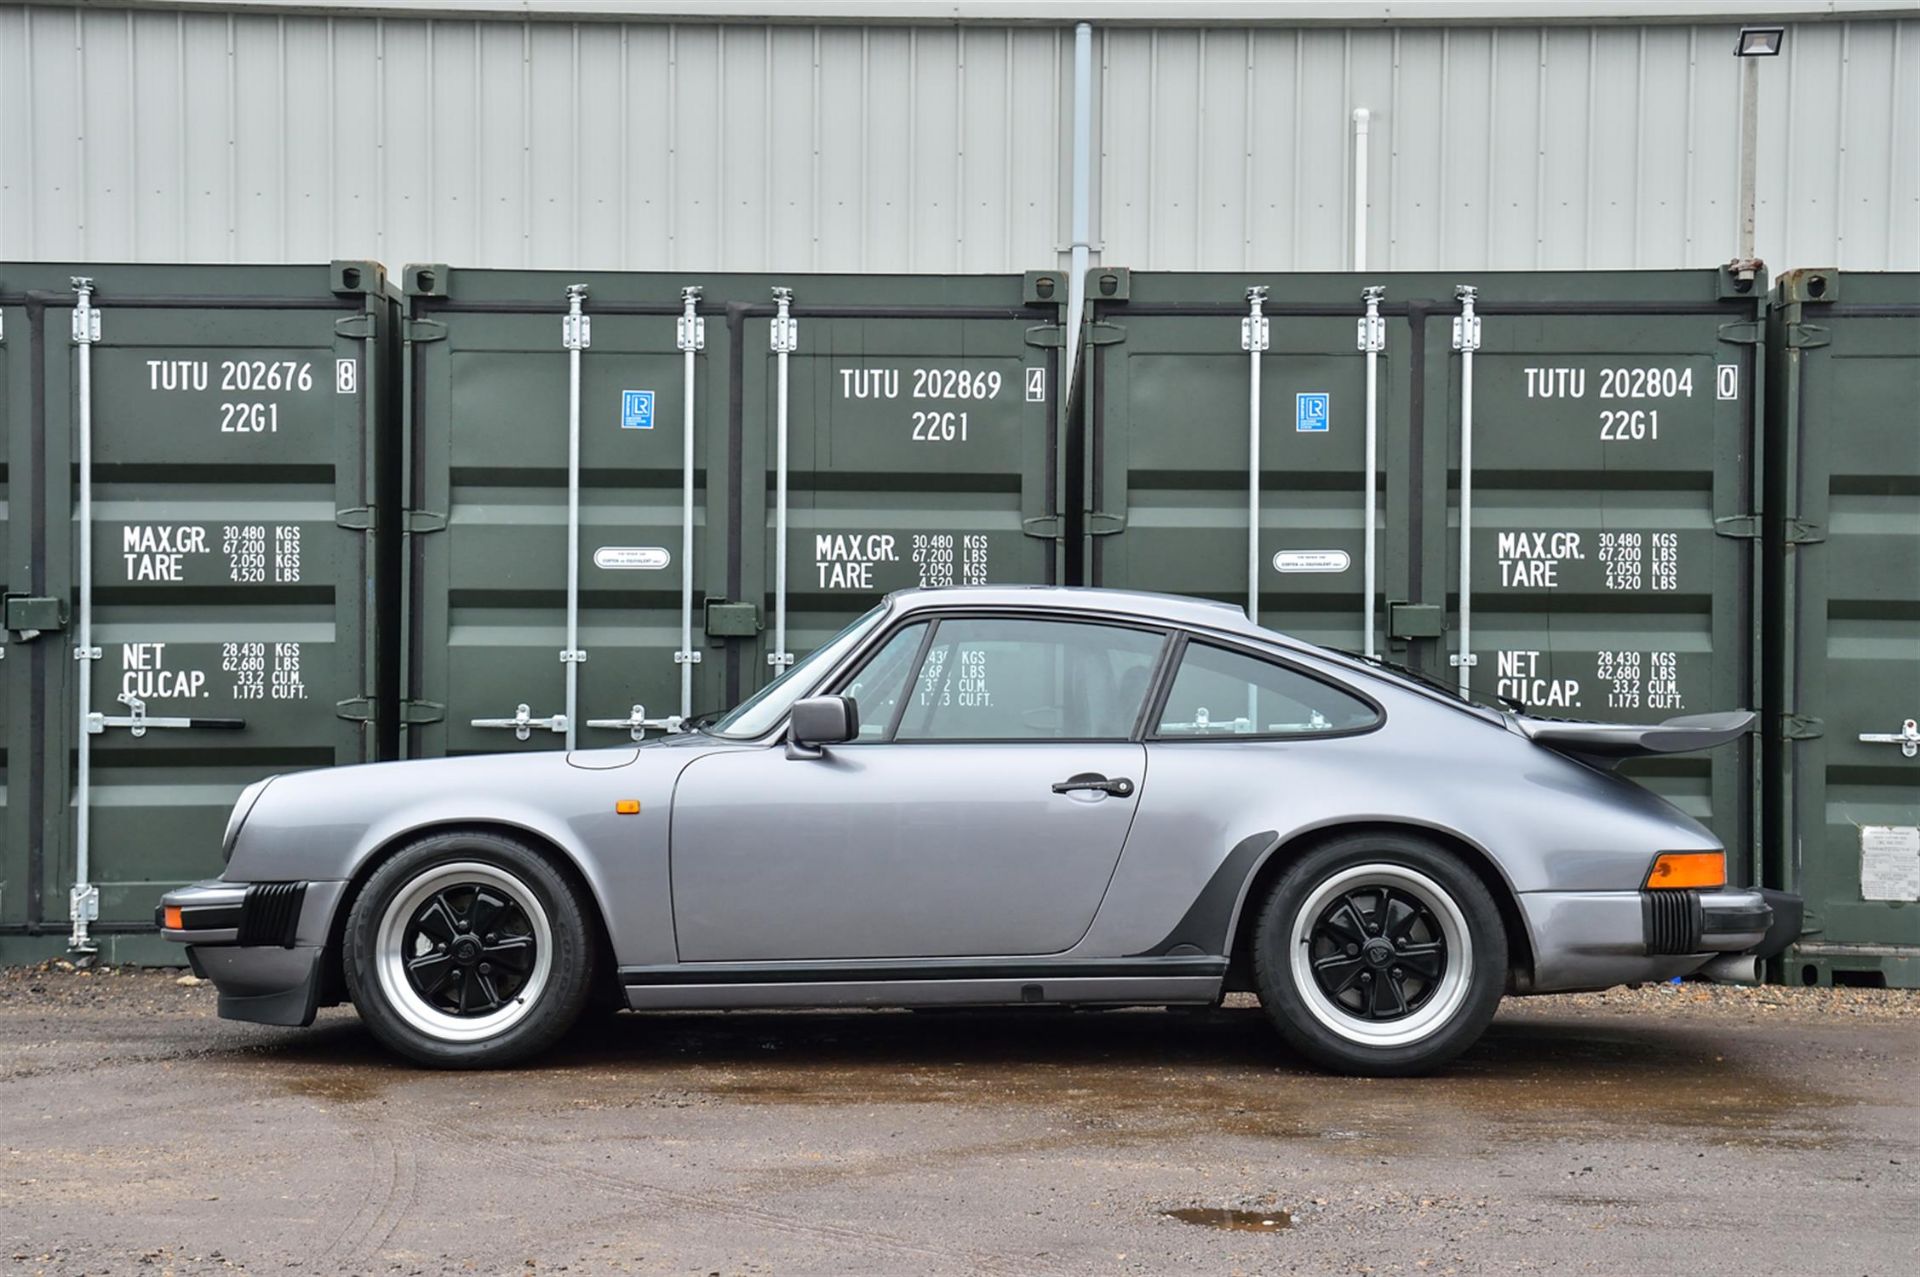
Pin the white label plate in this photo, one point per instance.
(1890, 862)
(1312, 561)
(630, 558)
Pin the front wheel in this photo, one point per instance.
(469, 950)
(1380, 954)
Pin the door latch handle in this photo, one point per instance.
(1119, 787)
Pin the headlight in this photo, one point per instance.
(248, 797)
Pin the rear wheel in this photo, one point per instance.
(1380, 954)
(469, 950)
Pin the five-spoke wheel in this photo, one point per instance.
(469, 949)
(1380, 953)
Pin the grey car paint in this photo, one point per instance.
(742, 858)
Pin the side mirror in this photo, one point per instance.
(821, 720)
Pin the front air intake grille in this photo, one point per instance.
(271, 913)
(1673, 921)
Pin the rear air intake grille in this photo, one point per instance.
(271, 913)
(1673, 921)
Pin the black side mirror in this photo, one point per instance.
(821, 720)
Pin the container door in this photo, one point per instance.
(1850, 346)
(1602, 470)
(547, 605)
(920, 442)
(213, 435)
(1196, 385)
(16, 573)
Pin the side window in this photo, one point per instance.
(1222, 693)
(994, 678)
(877, 687)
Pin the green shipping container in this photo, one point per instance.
(599, 523)
(1845, 591)
(1231, 426)
(214, 434)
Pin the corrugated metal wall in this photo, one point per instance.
(211, 137)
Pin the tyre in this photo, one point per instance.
(1380, 954)
(469, 950)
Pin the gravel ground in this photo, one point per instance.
(1691, 1128)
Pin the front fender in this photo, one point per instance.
(331, 825)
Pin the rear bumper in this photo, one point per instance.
(1598, 939)
(260, 944)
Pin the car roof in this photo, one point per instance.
(1174, 609)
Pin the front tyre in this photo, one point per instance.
(1380, 954)
(469, 950)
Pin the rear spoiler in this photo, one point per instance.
(1608, 743)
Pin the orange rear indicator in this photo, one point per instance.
(1682, 869)
(171, 919)
(627, 806)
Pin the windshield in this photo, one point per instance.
(762, 712)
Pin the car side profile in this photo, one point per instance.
(993, 796)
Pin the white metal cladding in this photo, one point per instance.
(164, 136)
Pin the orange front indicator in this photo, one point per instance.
(170, 919)
(627, 806)
(1682, 869)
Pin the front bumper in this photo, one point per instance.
(260, 944)
(1598, 939)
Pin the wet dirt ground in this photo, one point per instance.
(1675, 1129)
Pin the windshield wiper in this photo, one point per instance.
(1427, 680)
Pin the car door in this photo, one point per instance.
(980, 813)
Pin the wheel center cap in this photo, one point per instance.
(1379, 951)
(466, 950)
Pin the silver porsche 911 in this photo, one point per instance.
(993, 796)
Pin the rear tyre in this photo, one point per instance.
(1380, 954)
(469, 950)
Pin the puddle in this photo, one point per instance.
(1234, 1221)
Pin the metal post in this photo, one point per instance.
(1749, 148)
(1373, 339)
(783, 339)
(692, 340)
(1082, 193)
(1466, 340)
(577, 335)
(1362, 124)
(83, 902)
(1253, 340)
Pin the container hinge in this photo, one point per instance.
(1046, 527)
(1746, 332)
(1047, 336)
(419, 713)
(1103, 335)
(523, 722)
(1101, 524)
(358, 519)
(425, 330)
(1807, 336)
(423, 521)
(1748, 527)
(355, 709)
(359, 326)
(29, 616)
(636, 723)
(1801, 727)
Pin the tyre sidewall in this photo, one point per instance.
(1285, 1002)
(558, 1003)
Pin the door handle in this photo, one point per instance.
(1119, 787)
